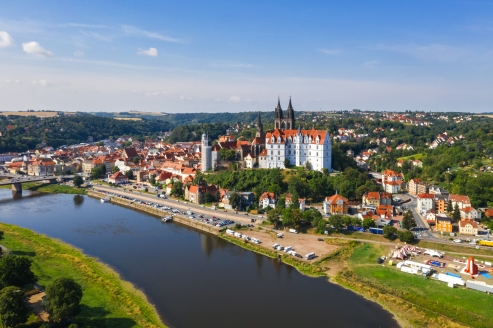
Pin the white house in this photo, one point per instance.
(470, 213)
(268, 199)
(426, 202)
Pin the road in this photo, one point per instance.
(184, 206)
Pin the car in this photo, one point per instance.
(225, 211)
(320, 239)
(457, 241)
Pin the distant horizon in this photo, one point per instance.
(239, 56)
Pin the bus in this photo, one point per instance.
(485, 243)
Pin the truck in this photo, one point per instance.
(310, 256)
(485, 242)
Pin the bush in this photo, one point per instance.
(389, 232)
(406, 236)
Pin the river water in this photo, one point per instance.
(194, 279)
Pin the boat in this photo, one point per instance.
(105, 200)
(167, 219)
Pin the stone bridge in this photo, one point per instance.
(16, 180)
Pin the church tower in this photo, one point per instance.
(206, 153)
(290, 117)
(260, 128)
(278, 115)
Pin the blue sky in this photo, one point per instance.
(200, 56)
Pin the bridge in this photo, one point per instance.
(16, 180)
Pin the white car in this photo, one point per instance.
(457, 241)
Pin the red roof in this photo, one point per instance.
(429, 196)
(334, 198)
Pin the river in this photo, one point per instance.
(194, 279)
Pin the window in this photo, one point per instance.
(278, 152)
(278, 146)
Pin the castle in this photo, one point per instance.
(272, 148)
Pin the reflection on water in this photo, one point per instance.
(194, 279)
(78, 200)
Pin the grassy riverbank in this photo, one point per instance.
(108, 301)
(416, 301)
(51, 188)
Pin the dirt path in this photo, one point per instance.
(37, 306)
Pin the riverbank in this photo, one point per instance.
(51, 188)
(108, 301)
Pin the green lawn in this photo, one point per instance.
(108, 301)
(51, 188)
(415, 156)
(462, 305)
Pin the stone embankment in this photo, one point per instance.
(156, 211)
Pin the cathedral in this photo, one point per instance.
(299, 147)
(270, 149)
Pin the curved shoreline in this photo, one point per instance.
(100, 282)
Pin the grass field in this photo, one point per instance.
(49, 188)
(426, 300)
(108, 301)
(37, 114)
(415, 156)
(128, 118)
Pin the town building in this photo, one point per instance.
(460, 200)
(470, 213)
(425, 202)
(118, 178)
(289, 201)
(267, 199)
(206, 153)
(195, 193)
(392, 181)
(335, 204)
(376, 198)
(299, 146)
(441, 203)
(443, 224)
(468, 227)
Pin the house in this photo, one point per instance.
(376, 198)
(468, 227)
(392, 181)
(335, 204)
(118, 178)
(268, 199)
(195, 194)
(417, 163)
(414, 187)
(441, 203)
(443, 224)
(431, 217)
(470, 213)
(249, 161)
(129, 153)
(41, 167)
(425, 202)
(301, 201)
(460, 200)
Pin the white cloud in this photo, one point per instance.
(131, 30)
(370, 64)
(150, 52)
(235, 99)
(34, 48)
(79, 53)
(330, 51)
(5, 40)
(83, 25)
(41, 83)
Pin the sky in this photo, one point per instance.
(217, 56)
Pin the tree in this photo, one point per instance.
(15, 271)
(321, 225)
(274, 188)
(98, 172)
(336, 221)
(177, 189)
(295, 203)
(286, 163)
(152, 180)
(208, 197)
(405, 236)
(227, 154)
(281, 203)
(13, 309)
(129, 174)
(368, 223)
(78, 181)
(449, 206)
(456, 214)
(273, 216)
(115, 169)
(408, 221)
(296, 218)
(234, 200)
(389, 232)
(64, 296)
(308, 165)
(135, 160)
(311, 216)
(287, 217)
